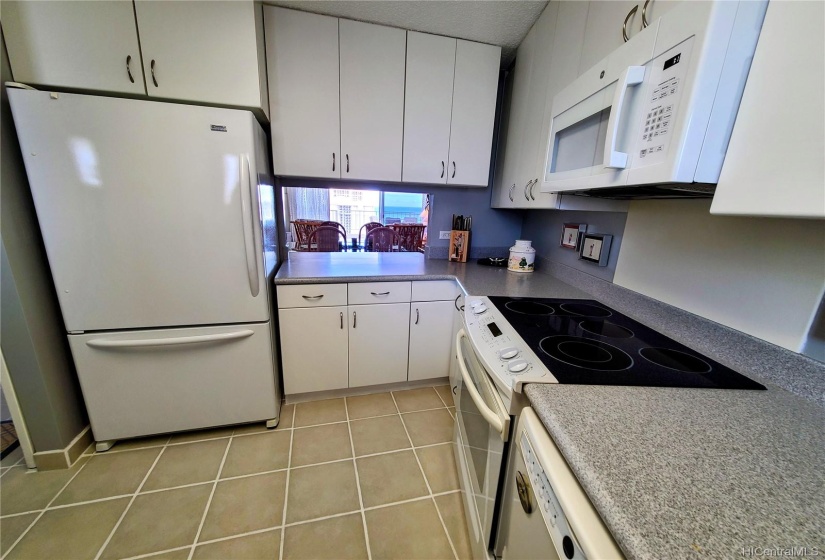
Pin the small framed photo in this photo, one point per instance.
(571, 236)
(595, 248)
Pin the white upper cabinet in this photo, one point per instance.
(301, 49)
(83, 44)
(372, 100)
(474, 107)
(603, 32)
(774, 164)
(428, 103)
(210, 52)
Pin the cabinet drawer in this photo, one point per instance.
(312, 295)
(379, 292)
(434, 290)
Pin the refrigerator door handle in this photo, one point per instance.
(248, 227)
(174, 341)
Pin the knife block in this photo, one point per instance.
(459, 245)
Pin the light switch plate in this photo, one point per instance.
(444, 235)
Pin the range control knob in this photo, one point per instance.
(508, 353)
(517, 366)
(475, 303)
(479, 309)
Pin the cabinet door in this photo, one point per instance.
(431, 332)
(372, 100)
(378, 342)
(302, 51)
(603, 33)
(774, 165)
(314, 345)
(474, 112)
(204, 51)
(84, 45)
(428, 101)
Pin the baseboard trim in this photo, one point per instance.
(66, 457)
(369, 390)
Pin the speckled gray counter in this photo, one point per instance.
(314, 268)
(687, 473)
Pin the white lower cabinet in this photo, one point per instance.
(314, 349)
(378, 341)
(431, 332)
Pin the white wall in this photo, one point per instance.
(762, 276)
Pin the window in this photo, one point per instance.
(354, 208)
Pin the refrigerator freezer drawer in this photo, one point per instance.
(138, 383)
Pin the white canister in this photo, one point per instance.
(522, 256)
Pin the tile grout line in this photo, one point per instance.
(286, 484)
(358, 483)
(129, 505)
(209, 500)
(43, 511)
(427, 482)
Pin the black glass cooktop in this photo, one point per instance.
(585, 342)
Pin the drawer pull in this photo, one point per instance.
(172, 341)
(354, 319)
(342, 320)
(312, 298)
(380, 293)
(416, 316)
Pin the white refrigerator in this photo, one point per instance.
(150, 214)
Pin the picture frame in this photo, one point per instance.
(571, 236)
(595, 248)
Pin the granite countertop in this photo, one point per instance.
(674, 473)
(686, 473)
(475, 279)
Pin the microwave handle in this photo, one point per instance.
(632, 76)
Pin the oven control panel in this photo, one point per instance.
(502, 351)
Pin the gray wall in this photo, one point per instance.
(32, 334)
(544, 227)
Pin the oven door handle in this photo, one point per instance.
(500, 425)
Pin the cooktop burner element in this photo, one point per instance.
(673, 359)
(585, 353)
(585, 309)
(605, 328)
(526, 307)
(577, 344)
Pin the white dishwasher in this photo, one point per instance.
(545, 514)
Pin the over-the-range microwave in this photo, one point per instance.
(653, 119)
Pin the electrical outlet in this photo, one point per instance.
(444, 235)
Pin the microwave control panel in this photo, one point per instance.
(667, 82)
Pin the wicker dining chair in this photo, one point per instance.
(411, 236)
(326, 239)
(338, 225)
(369, 227)
(301, 229)
(382, 240)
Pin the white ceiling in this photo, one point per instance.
(498, 22)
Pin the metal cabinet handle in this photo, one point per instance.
(535, 182)
(644, 14)
(453, 175)
(454, 389)
(333, 161)
(527, 186)
(510, 193)
(457, 308)
(354, 319)
(152, 67)
(312, 297)
(380, 293)
(442, 169)
(416, 316)
(627, 17)
(129, 68)
(347, 163)
(342, 319)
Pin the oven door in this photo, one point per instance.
(481, 435)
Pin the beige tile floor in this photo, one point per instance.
(363, 477)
